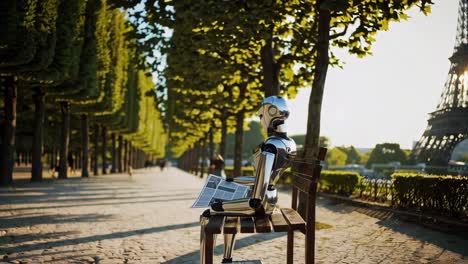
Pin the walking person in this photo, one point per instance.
(71, 163)
(217, 165)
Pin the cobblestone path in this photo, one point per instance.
(145, 218)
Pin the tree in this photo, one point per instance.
(336, 157)
(300, 141)
(351, 26)
(387, 152)
(252, 138)
(76, 55)
(353, 155)
(463, 157)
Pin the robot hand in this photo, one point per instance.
(257, 200)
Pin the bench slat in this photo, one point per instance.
(247, 225)
(278, 222)
(215, 224)
(294, 219)
(262, 224)
(231, 225)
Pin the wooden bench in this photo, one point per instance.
(305, 177)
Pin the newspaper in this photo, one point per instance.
(218, 189)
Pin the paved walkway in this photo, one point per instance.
(146, 218)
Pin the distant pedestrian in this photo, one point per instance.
(71, 163)
(217, 165)
(162, 164)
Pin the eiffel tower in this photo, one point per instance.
(448, 124)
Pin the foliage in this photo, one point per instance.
(387, 152)
(246, 171)
(340, 182)
(79, 51)
(222, 53)
(252, 137)
(353, 155)
(300, 140)
(463, 157)
(336, 157)
(443, 194)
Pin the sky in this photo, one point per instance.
(386, 97)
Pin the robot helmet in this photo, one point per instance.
(273, 112)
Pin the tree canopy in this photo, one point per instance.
(387, 152)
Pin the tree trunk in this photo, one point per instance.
(211, 144)
(64, 140)
(119, 154)
(96, 150)
(84, 145)
(78, 159)
(270, 69)
(197, 153)
(203, 157)
(318, 85)
(53, 159)
(315, 103)
(38, 138)
(8, 128)
(222, 147)
(114, 154)
(103, 150)
(238, 144)
(125, 156)
(130, 156)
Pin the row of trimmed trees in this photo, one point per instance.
(224, 56)
(66, 66)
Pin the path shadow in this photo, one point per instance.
(99, 204)
(17, 239)
(11, 257)
(75, 241)
(194, 257)
(32, 199)
(455, 242)
(28, 221)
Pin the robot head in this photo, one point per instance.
(273, 113)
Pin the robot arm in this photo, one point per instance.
(249, 206)
(245, 180)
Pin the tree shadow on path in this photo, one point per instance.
(88, 239)
(194, 256)
(450, 242)
(21, 221)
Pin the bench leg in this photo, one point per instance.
(206, 243)
(208, 249)
(290, 248)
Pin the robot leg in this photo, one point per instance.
(229, 240)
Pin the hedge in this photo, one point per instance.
(433, 193)
(340, 182)
(286, 178)
(246, 171)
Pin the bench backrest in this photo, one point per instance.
(305, 174)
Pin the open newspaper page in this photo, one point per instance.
(217, 188)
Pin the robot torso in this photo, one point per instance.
(284, 149)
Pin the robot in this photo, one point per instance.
(271, 159)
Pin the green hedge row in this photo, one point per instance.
(246, 171)
(441, 194)
(446, 195)
(340, 182)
